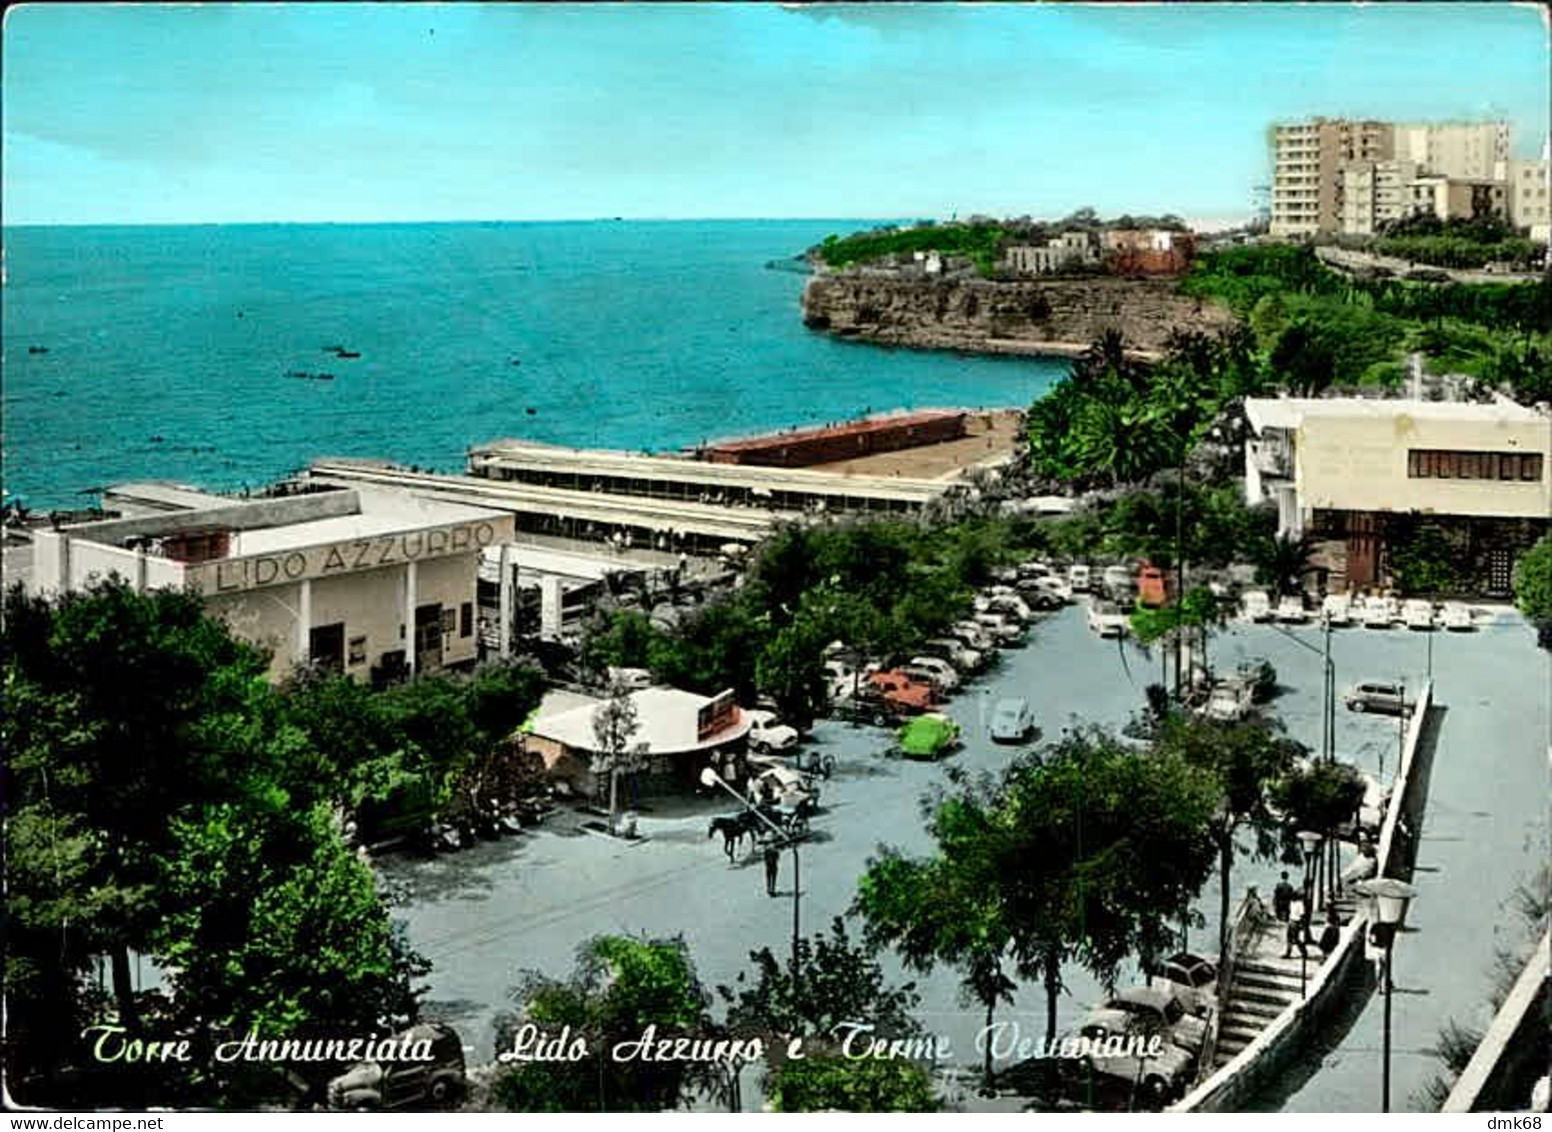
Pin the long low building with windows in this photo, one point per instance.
(1369, 479)
(377, 584)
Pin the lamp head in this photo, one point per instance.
(1310, 840)
(1388, 898)
(709, 777)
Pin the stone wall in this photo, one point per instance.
(1056, 316)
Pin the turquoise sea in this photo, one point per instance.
(168, 348)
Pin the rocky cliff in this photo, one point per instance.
(1052, 316)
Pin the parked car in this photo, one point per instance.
(929, 736)
(1106, 620)
(1002, 629)
(1191, 978)
(957, 653)
(899, 693)
(1054, 586)
(768, 733)
(1228, 701)
(1159, 1079)
(391, 1085)
(1159, 1011)
(1152, 589)
(1006, 600)
(1032, 570)
(1115, 577)
(1457, 616)
(1418, 614)
(1337, 609)
(1290, 609)
(1379, 612)
(634, 679)
(975, 635)
(944, 676)
(1012, 721)
(1079, 578)
(1257, 606)
(1376, 695)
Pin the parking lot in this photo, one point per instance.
(527, 902)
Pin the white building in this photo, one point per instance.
(376, 584)
(1360, 474)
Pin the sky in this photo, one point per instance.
(145, 114)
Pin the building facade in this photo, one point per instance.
(377, 585)
(1307, 162)
(1060, 253)
(1455, 198)
(1528, 198)
(1362, 476)
(1374, 193)
(1471, 151)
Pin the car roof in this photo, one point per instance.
(1013, 703)
(1156, 997)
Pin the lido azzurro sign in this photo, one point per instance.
(233, 575)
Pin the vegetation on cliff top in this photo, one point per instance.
(1316, 329)
(979, 239)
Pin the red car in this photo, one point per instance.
(900, 693)
(1151, 588)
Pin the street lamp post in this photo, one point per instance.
(710, 777)
(1388, 900)
(1309, 841)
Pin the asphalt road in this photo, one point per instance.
(485, 914)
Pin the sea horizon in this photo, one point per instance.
(175, 352)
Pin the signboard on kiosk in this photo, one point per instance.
(715, 715)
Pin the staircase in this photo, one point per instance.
(1264, 986)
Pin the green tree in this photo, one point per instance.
(947, 908)
(842, 1084)
(1283, 562)
(1533, 583)
(1104, 846)
(1244, 760)
(275, 927)
(790, 670)
(123, 709)
(621, 989)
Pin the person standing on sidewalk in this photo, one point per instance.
(772, 864)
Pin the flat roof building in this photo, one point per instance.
(376, 584)
(1362, 475)
(678, 735)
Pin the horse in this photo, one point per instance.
(734, 829)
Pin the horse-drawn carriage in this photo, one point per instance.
(781, 802)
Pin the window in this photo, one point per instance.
(466, 619)
(357, 650)
(1506, 467)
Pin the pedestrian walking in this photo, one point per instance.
(1298, 930)
(772, 864)
(1331, 934)
(1282, 899)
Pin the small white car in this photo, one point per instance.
(1108, 621)
(1257, 606)
(1031, 570)
(1290, 609)
(975, 635)
(1457, 616)
(1418, 614)
(1079, 577)
(960, 655)
(1012, 721)
(1379, 613)
(634, 679)
(943, 675)
(1003, 629)
(769, 734)
(1337, 609)
(1227, 703)
(1054, 586)
(1115, 578)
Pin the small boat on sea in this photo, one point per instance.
(348, 353)
(37, 349)
(307, 376)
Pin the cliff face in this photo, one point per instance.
(983, 316)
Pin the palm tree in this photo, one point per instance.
(1285, 561)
